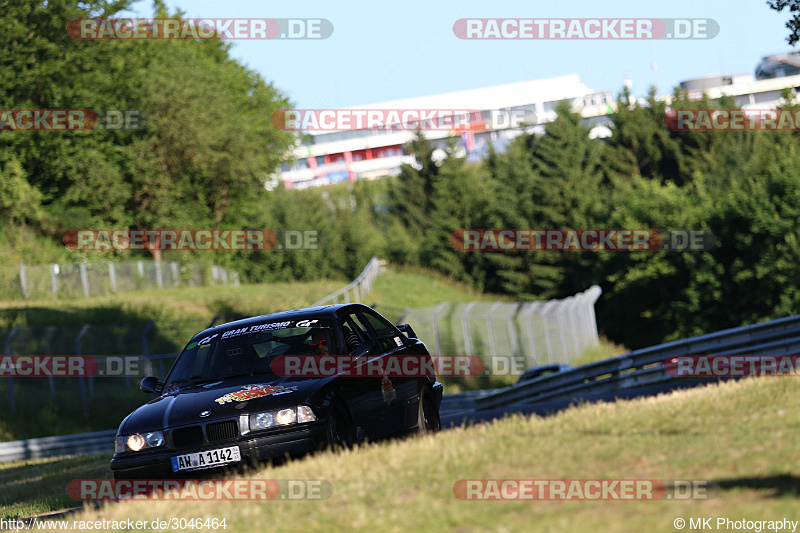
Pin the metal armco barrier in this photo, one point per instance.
(646, 366)
(635, 369)
(357, 289)
(78, 444)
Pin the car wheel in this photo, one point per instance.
(427, 415)
(340, 430)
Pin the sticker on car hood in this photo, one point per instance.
(250, 392)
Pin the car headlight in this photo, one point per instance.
(138, 441)
(282, 417)
(305, 414)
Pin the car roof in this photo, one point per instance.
(320, 311)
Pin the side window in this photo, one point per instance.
(353, 331)
(387, 334)
(362, 327)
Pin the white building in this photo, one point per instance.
(332, 156)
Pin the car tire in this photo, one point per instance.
(428, 420)
(340, 429)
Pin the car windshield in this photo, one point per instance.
(246, 351)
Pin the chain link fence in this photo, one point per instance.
(149, 348)
(103, 279)
(535, 333)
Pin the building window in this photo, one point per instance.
(551, 106)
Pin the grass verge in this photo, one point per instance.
(739, 435)
(117, 324)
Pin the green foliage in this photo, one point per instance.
(209, 147)
(793, 24)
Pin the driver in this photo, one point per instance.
(319, 341)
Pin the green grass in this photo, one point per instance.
(741, 436)
(394, 288)
(35, 487)
(398, 288)
(50, 327)
(164, 305)
(604, 350)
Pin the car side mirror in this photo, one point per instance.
(151, 385)
(406, 330)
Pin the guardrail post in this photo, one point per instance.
(593, 294)
(512, 331)
(54, 278)
(84, 279)
(492, 343)
(112, 276)
(82, 378)
(437, 338)
(176, 279)
(527, 316)
(465, 328)
(11, 379)
(546, 322)
(159, 275)
(574, 332)
(361, 285)
(23, 280)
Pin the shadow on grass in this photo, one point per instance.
(779, 486)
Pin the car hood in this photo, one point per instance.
(222, 399)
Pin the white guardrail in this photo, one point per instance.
(359, 287)
(635, 369)
(98, 442)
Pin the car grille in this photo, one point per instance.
(222, 431)
(189, 436)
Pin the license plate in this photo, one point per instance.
(206, 459)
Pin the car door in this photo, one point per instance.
(366, 403)
(399, 392)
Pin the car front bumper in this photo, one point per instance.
(253, 448)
